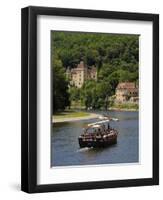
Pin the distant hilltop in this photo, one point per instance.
(80, 74)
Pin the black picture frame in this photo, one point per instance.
(29, 98)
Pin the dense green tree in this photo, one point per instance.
(96, 94)
(104, 92)
(60, 87)
(74, 94)
(102, 50)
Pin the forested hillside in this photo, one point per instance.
(115, 56)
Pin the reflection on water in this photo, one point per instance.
(65, 149)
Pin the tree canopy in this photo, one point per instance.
(60, 86)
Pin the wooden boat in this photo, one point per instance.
(98, 134)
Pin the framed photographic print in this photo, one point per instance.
(90, 99)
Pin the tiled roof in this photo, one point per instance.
(126, 85)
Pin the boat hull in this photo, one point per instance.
(96, 143)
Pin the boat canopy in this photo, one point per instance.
(99, 123)
(103, 117)
(96, 126)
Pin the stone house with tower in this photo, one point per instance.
(80, 74)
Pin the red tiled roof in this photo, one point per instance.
(126, 85)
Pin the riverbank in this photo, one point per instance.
(126, 106)
(69, 116)
(115, 107)
(123, 109)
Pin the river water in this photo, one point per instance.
(65, 149)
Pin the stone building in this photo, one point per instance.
(127, 92)
(80, 74)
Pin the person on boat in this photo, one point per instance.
(98, 135)
(108, 126)
(103, 127)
